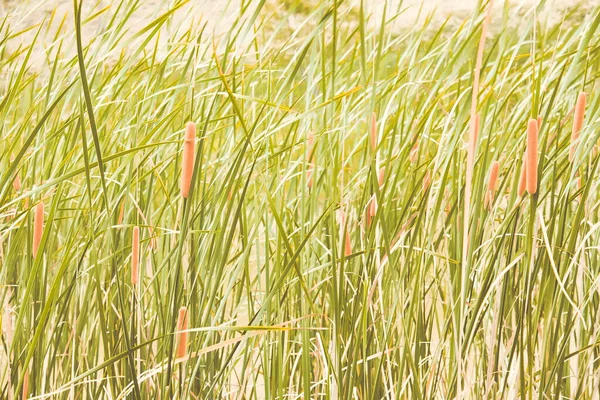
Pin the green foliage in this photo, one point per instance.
(93, 109)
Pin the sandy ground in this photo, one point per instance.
(26, 13)
(219, 15)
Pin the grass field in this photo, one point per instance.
(332, 228)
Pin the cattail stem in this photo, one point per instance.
(187, 166)
(523, 178)
(182, 337)
(135, 255)
(577, 123)
(532, 156)
(38, 227)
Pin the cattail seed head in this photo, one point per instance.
(523, 178)
(493, 178)
(135, 255)
(347, 241)
(25, 391)
(182, 337)
(578, 117)
(38, 227)
(414, 153)
(373, 130)
(373, 206)
(347, 244)
(381, 176)
(187, 166)
(532, 156)
(426, 181)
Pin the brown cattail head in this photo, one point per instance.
(414, 153)
(187, 166)
(373, 206)
(532, 156)
(381, 176)
(577, 123)
(493, 178)
(426, 181)
(38, 227)
(523, 178)
(539, 122)
(347, 241)
(182, 337)
(135, 255)
(25, 391)
(347, 244)
(373, 130)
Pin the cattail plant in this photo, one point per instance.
(347, 241)
(491, 187)
(373, 130)
(523, 178)
(182, 337)
(577, 123)
(414, 153)
(38, 227)
(381, 176)
(25, 389)
(188, 159)
(135, 255)
(426, 181)
(532, 156)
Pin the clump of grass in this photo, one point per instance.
(321, 250)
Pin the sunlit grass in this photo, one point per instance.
(315, 246)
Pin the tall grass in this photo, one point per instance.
(317, 251)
